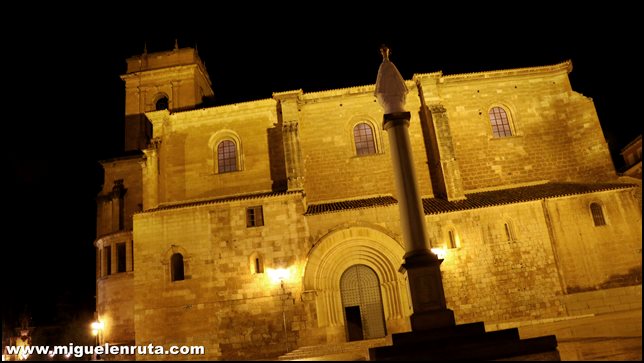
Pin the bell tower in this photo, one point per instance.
(175, 80)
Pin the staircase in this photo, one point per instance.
(348, 351)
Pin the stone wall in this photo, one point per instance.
(556, 132)
(129, 171)
(597, 257)
(329, 155)
(490, 277)
(115, 306)
(222, 304)
(604, 301)
(187, 158)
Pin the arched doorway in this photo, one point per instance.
(362, 303)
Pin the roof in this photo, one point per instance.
(380, 201)
(201, 202)
(475, 200)
(516, 195)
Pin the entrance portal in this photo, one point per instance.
(362, 303)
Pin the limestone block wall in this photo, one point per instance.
(187, 158)
(328, 149)
(555, 131)
(221, 304)
(597, 257)
(115, 306)
(604, 301)
(128, 170)
(490, 277)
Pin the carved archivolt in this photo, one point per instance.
(336, 252)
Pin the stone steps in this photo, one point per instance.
(347, 351)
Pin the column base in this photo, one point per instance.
(427, 320)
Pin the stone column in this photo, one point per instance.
(423, 267)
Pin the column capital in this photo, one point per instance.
(394, 119)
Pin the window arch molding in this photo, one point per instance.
(375, 129)
(166, 261)
(216, 139)
(493, 115)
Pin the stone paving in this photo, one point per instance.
(611, 336)
(615, 336)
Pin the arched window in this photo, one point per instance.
(226, 156)
(509, 236)
(256, 264)
(176, 267)
(161, 104)
(598, 214)
(364, 139)
(451, 239)
(500, 122)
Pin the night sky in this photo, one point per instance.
(66, 100)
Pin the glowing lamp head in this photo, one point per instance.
(279, 274)
(97, 326)
(440, 252)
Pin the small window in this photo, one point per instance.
(176, 266)
(226, 156)
(508, 232)
(452, 239)
(256, 263)
(500, 122)
(254, 216)
(162, 103)
(120, 257)
(363, 137)
(598, 214)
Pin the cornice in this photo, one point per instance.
(555, 68)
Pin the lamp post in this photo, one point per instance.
(422, 265)
(97, 327)
(281, 275)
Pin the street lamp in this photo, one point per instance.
(97, 328)
(280, 275)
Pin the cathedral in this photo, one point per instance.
(256, 228)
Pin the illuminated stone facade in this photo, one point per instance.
(529, 209)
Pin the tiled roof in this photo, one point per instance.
(220, 200)
(350, 204)
(515, 195)
(474, 200)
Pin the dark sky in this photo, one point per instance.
(65, 103)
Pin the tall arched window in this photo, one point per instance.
(256, 263)
(509, 236)
(598, 214)
(500, 122)
(364, 139)
(176, 267)
(451, 235)
(226, 156)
